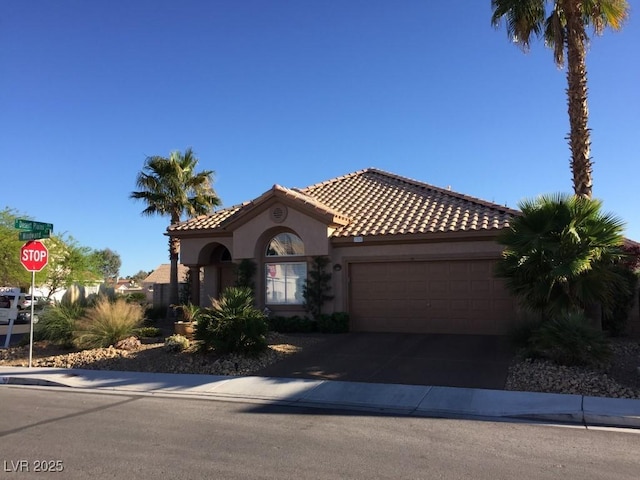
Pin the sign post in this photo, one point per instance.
(34, 256)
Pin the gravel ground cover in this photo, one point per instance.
(621, 379)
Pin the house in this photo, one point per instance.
(156, 285)
(405, 256)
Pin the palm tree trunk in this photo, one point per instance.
(579, 136)
(174, 248)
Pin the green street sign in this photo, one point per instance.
(30, 225)
(34, 235)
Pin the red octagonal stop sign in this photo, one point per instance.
(34, 256)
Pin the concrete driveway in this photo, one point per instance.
(473, 361)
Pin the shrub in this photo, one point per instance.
(107, 322)
(570, 340)
(176, 343)
(58, 323)
(147, 332)
(188, 312)
(337, 322)
(293, 324)
(615, 321)
(233, 324)
(155, 313)
(317, 287)
(520, 334)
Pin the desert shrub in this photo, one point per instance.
(616, 320)
(569, 340)
(293, 324)
(107, 322)
(155, 313)
(337, 322)
(232, 324)
(188, 312)
(520, 334)
(58, 323)
(176, 343)
(147, 332)
(136, 297)
(317, 288)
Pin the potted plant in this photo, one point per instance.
(188, 317)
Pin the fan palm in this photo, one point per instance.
(171, 187)
(559, 255)
(564, 30)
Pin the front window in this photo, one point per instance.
(284, 283)
(284, 280)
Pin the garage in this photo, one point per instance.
(446, 296)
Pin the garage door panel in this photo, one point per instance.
(429, 297)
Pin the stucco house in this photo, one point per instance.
(156, 285)
(405, 256)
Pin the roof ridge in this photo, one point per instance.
(335, 179)
(445, 191)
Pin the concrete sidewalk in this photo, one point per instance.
(415, 400)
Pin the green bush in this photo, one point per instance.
(520, 334)
(155, 313)
(58, 323)
(107, 322)
(570, 340)
(233, 324)
(293, 324)
(337, 322)
(147, 332)
(616, 320)
(176, 343)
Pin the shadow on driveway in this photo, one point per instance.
(472, 361)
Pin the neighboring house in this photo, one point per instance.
(405, 256)
(156, 285)
(126, 287)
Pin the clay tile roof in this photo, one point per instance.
(374, 202)
(207, 222)
(162, 274)
(380, 203)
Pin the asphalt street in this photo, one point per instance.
(91, 435)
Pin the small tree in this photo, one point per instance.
(317, 287)
(245, 273)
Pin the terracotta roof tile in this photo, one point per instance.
(383, 203)
(374, 202)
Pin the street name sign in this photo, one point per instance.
(30, 225)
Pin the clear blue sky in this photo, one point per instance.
(292, 92)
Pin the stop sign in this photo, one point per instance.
(34, 256)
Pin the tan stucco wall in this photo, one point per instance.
(249, 239)
(190, 248)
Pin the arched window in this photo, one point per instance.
(285, 244)
(284, 280)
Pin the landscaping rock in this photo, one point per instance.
(130, 343)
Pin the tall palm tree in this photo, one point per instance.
(564, 30)
(171, 187)
(559, 255)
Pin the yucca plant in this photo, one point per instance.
(108, 322)
(569, 340)
(233, 324)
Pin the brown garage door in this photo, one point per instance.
(429, 297)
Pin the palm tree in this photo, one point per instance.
(559, 255)
(171, 187)
(564, 30)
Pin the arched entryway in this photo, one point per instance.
(216, 272)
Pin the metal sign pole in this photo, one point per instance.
(33, 289)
